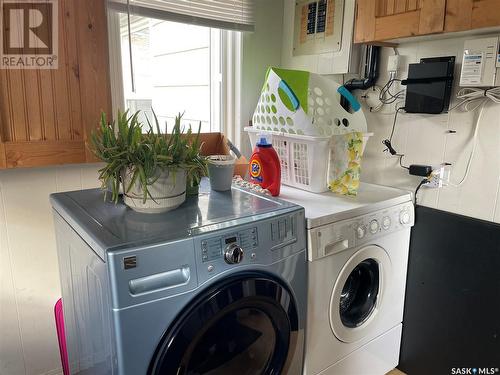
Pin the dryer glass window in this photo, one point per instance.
(245, 326)
(240, 342)
(359, 294)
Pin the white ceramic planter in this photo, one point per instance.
(168, 192)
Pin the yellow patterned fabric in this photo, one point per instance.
(345, 163)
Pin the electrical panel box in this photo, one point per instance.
(480, 63)
(318, 26)
(325, 28)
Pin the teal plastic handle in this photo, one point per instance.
(288, 91)
(350, 98)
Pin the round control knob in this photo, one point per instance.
(386, 222)
(233, 254)
(360, 231)
(404, 217)
(374, 226)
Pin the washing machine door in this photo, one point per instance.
(245, 325)
(358, 293)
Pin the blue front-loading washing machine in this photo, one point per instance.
(217, 286)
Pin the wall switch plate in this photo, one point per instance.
(393, 63)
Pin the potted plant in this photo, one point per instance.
(152, 167)
(198, 166)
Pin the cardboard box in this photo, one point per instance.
(216, 144)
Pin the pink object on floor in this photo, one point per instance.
(58, 312)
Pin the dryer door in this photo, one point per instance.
(245, 325)
(358, 293)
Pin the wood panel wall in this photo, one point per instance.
(46, 115)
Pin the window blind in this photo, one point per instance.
(222, 14)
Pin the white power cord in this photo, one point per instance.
(482, 104)
(384, 95)
(473, 98)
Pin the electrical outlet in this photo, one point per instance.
(393, 63)
(439, 177)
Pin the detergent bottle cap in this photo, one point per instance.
(264, 140)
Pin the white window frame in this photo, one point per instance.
(228, 80)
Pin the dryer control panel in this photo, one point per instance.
(213, 248)
(336, 237)
(262, 242)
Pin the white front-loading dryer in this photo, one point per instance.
(357, 276)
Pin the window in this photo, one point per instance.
(176, 68)
(179, 56)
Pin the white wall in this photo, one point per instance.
(260, 50)
(29, 276)
(423, 138)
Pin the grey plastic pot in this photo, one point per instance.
(220, 171)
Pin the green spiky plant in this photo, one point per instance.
(198, 166)
(123, 146)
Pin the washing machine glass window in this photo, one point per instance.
(359, 294)
(244, 326)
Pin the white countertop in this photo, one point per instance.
(326, 208)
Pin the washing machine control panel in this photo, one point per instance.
(384, 221)
(339, 236)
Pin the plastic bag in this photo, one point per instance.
(345, 163)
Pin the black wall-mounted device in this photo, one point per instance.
(429, 84)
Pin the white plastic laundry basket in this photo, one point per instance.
(302, 111)
(304, 159)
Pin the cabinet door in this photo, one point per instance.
(378, 20)
(471, 14)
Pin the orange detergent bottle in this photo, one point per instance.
(264, 166)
